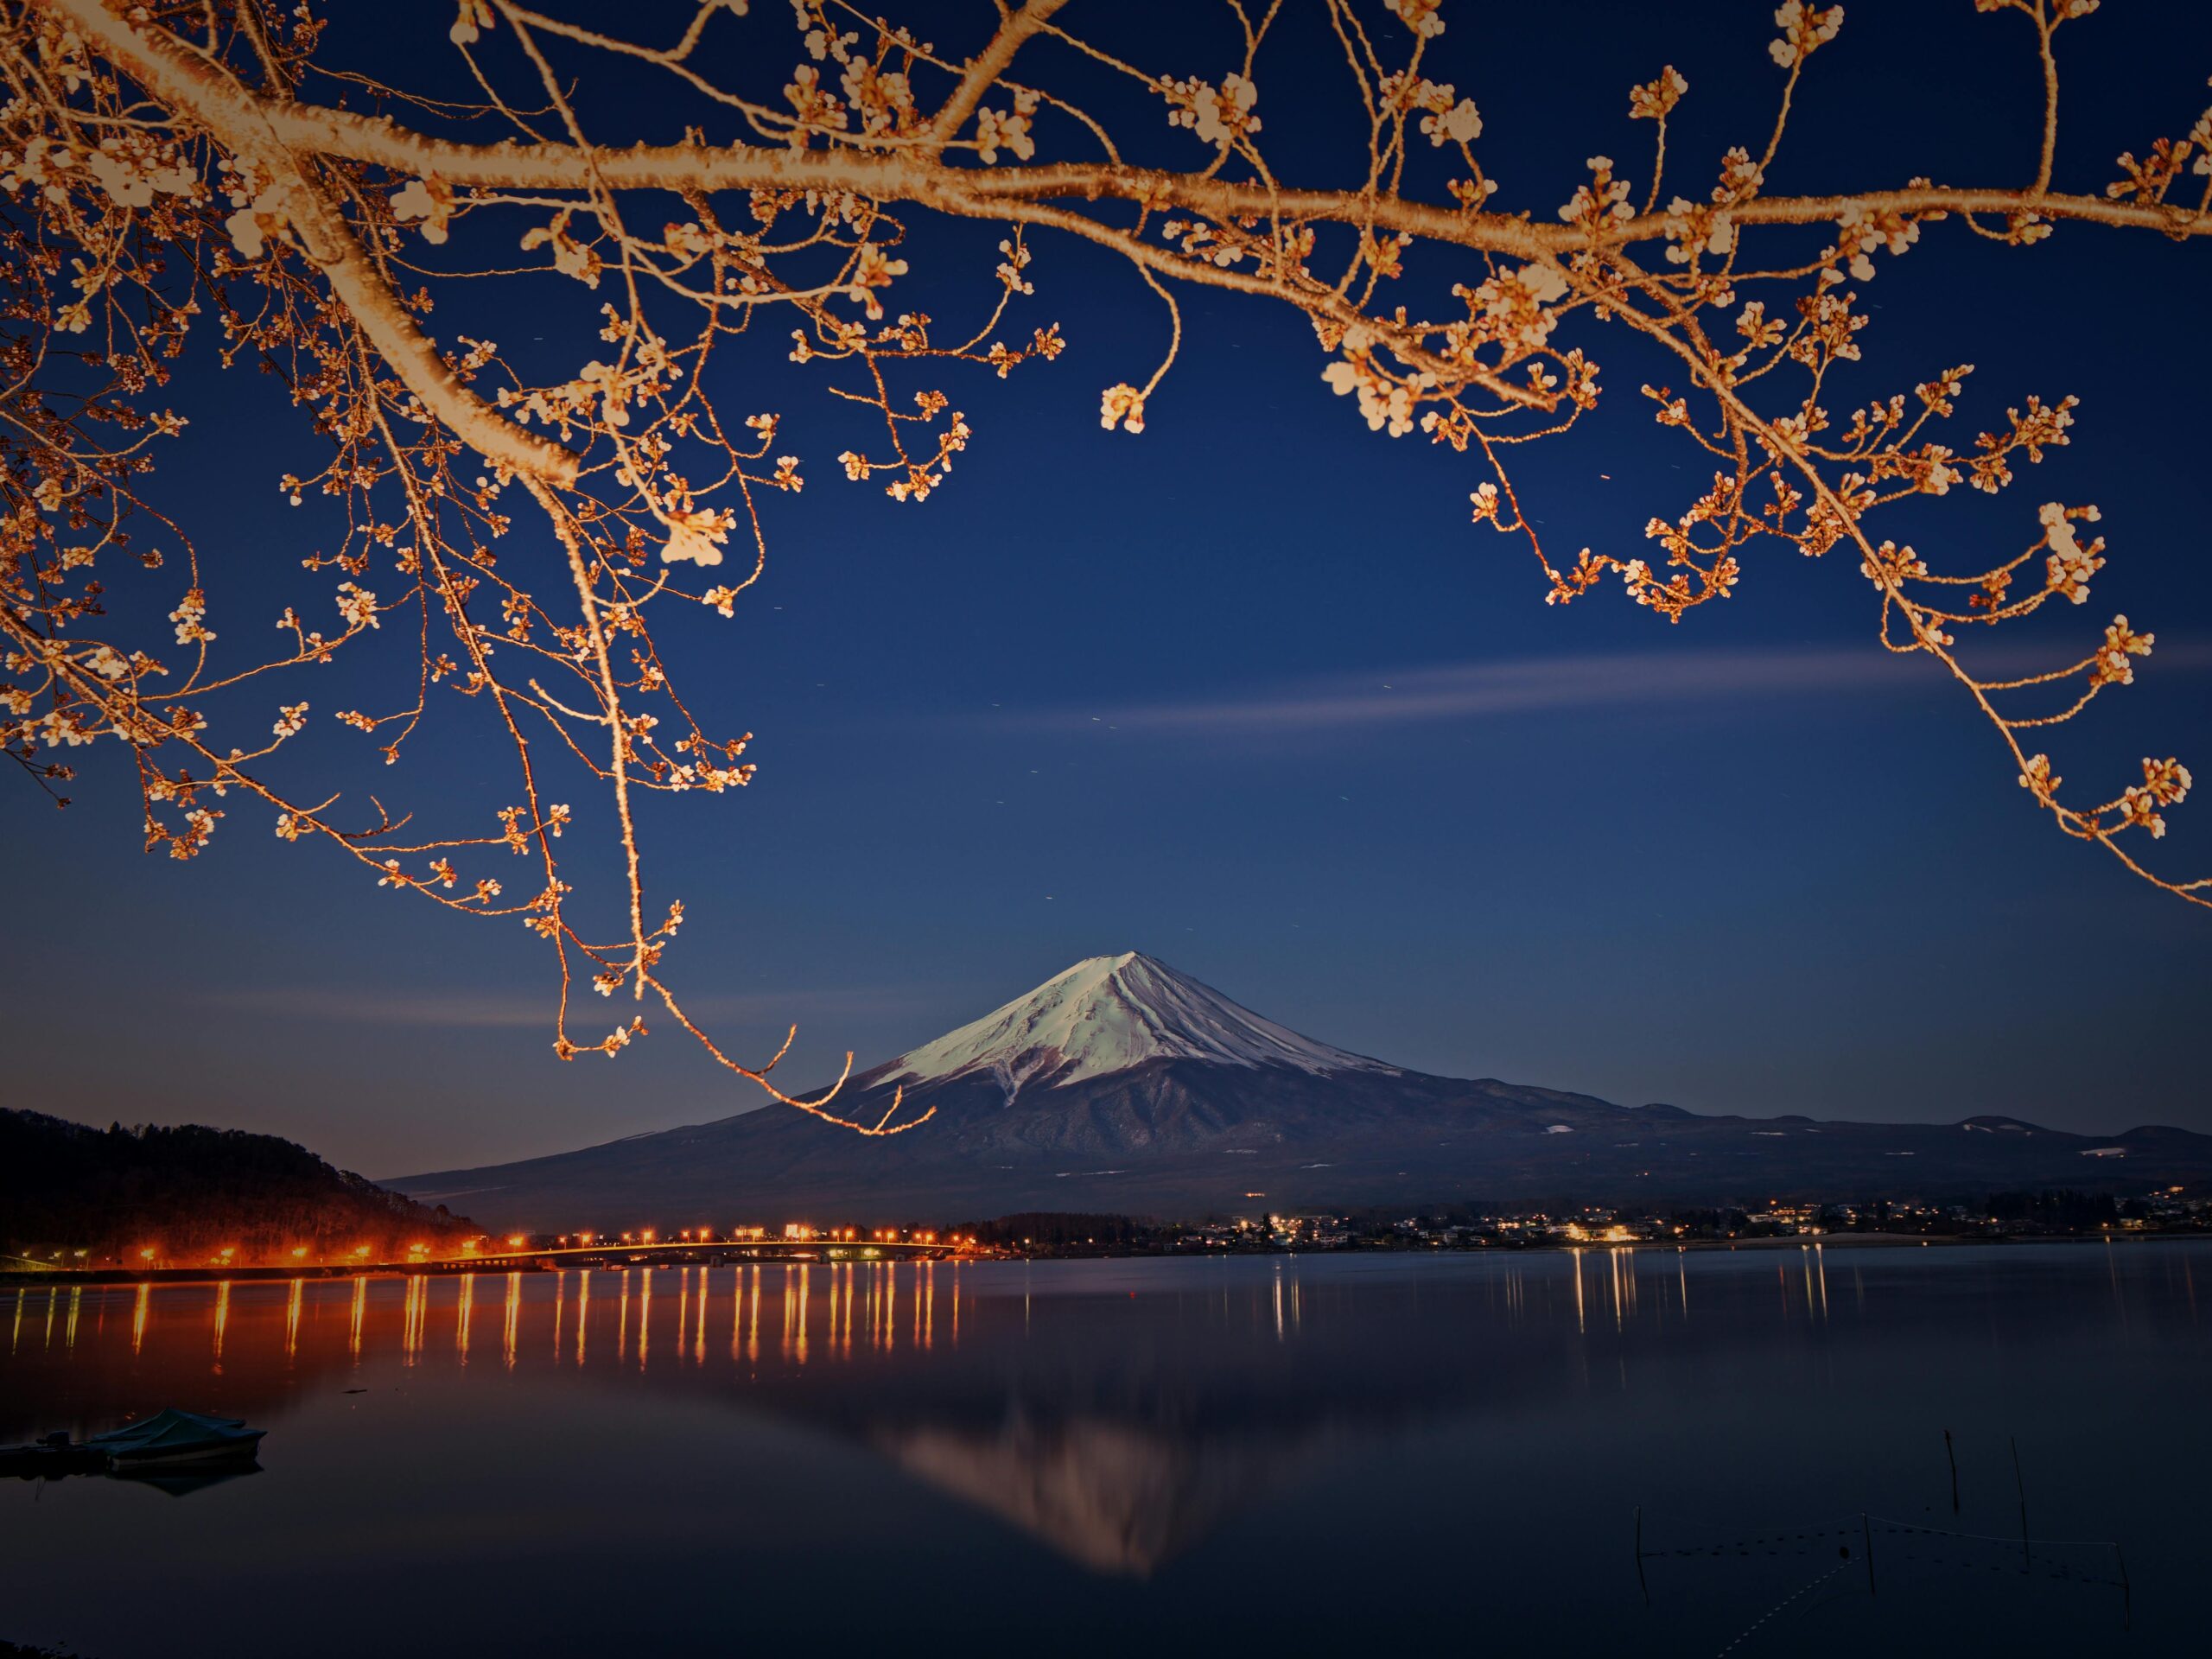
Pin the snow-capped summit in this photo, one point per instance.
(1108, 1013)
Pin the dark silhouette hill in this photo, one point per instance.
(188, 1192)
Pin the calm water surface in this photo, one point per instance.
(1078, 1458)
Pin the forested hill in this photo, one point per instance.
(189, 1192)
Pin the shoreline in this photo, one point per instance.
(711, 1257)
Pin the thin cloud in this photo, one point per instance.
(465, 1010)
(1478, 691)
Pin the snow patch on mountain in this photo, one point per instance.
(1108, 1013)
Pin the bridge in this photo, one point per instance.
(693, 1249)
(508, 1258)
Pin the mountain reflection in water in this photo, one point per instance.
(1346, 1423)
(1117, 1437)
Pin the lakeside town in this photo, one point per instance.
(2002, 1217)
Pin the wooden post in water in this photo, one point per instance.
(1951, 1452)
(2023, 1487)
(1640, 1583)
(1866, 1535)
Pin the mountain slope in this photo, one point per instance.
(1122, 1085)
(189, 1191)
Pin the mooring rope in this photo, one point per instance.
(1779, 1606)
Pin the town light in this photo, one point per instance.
(517, 1240)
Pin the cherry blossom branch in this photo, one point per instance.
(159, 62)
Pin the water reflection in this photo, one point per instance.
(464, 1311)
(683, 1310)
(415, 1317)
(1118, 1413)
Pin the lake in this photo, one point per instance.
(1371, 1451)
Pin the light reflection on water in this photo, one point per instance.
(1403, 1449)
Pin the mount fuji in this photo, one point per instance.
(1123, 1085)
(1106, 1016)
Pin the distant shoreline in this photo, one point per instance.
(712, 1256)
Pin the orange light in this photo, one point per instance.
(146, 1255)
(298, 1251)
(517, 1240)
(228, 1251)
(361, 1252)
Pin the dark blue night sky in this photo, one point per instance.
(1249, 693)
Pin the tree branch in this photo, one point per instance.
(167, 70)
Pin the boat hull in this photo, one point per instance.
(242, 1446)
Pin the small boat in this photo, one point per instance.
(170, 1437)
